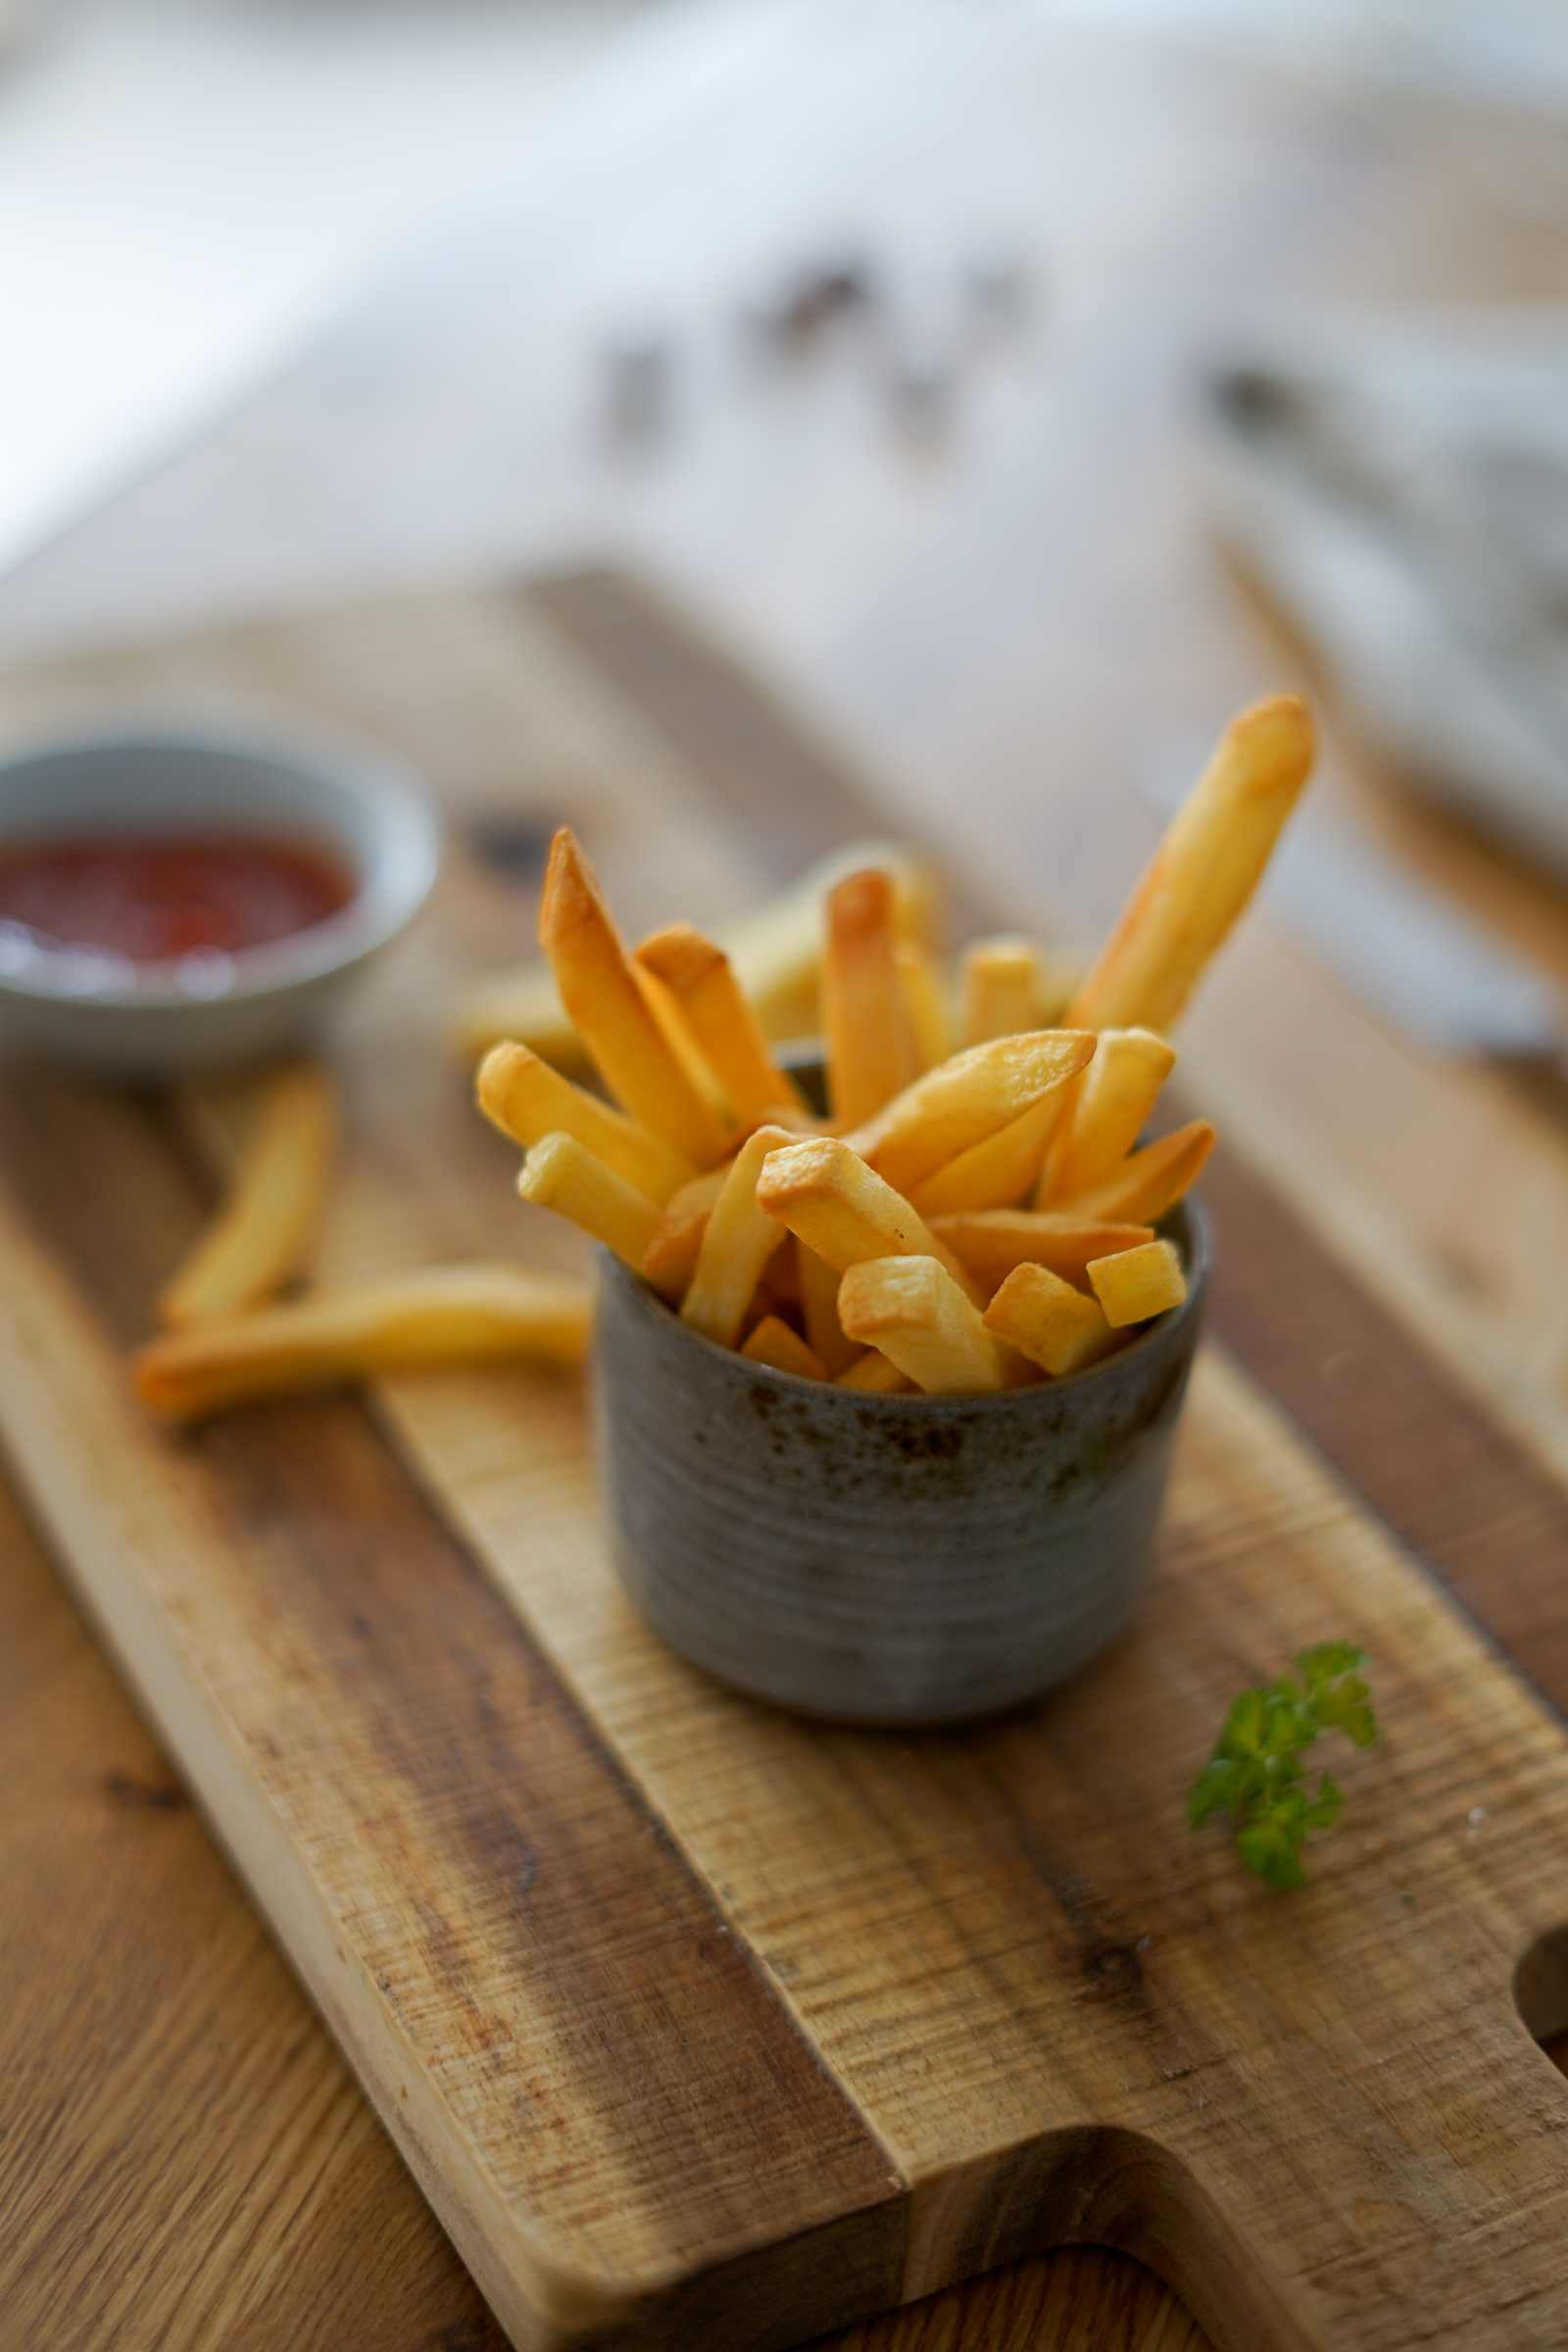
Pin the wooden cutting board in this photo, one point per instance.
(700, 2026)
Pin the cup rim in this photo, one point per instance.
(387, 890)
(1193, 1231)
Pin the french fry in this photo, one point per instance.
(999, 1172)
(701, 979)
(599, 988)
(442, 1315)
(1110, 1105)
(261, 1236)
(1134, 1284)
(992, 1242)
(871, 1053)
(1203, 873)
(1057, 983)
(522, 1095)
(875, 1374)
(971, 1097)
(999, 980)
(1050, 1322)
(776, 950)
(563, 1174)
(779, 1284)
(1148, 1182)
(820, 1304)
(681, 1040)
(924, 1000)
(781, 1350)
(914, 1313)
(793, 1115)
(740, 1238)
(522, 1005)
(843, 1211)
(670, 1258)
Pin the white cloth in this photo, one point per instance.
(1402, 494)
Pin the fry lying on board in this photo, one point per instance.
(441, 1315)
(262, 1236)
(231, 1343)
(955, 1220)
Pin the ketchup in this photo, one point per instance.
(154, 900)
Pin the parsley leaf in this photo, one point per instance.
(1256, 1774)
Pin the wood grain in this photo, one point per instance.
(1004, 634)
(182, 2142)
(187, 2161)
(483, 1909)
(1031, 2064)
(1062, 2017)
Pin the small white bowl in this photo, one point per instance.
(359, 805)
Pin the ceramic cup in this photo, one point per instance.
(368, 809)
(882, 1559)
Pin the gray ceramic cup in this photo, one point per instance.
(882, 1559)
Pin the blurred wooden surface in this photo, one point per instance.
(583, 698)
(1003, 630)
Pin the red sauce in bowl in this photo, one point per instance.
(155, 900)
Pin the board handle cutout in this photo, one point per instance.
(1541, 1995)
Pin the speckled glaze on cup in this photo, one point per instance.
(882, 1559)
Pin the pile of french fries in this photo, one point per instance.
(965, 1214)
(972, 1210)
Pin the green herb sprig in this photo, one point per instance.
(1256, 1773)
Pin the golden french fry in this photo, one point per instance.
(1203, 873)
(740, 1238)
(776, 950)
(563, 1174)
(971, 1097)
(1148, 1182)
(999, 1172)
(442, 1315)
(1001, 982)
(1134, 1284)
(1110, 1107)
(1058, 984)
(779, 1284)
(914, 1313)
(523, 1095)
(681, 1040)
(792, 1115)
(992, 1242)
(522, 1005)
(701, 979)
(670, 1258)
(820, 1304)
(1047, 1320)
(875, 1374)
(871, 1053)
(261, 1236)
(924, 1000)
(601, 990)
(781, 1350)
(843, 1211)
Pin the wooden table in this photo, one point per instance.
(999, 640)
